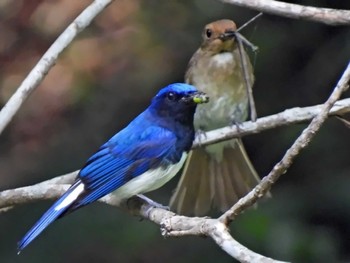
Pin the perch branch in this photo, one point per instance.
(328, 16)
(287, 117)
(171, 224)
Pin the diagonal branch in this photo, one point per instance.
(173, 225)
(48, 60)
(328, 16)
(301, 142)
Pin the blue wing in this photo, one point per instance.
(122, 158)
(118, 161)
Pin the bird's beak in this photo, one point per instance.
(227, 35)
(198, 97)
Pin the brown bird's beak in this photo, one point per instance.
(227, 35)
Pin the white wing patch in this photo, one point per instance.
(71, 197)
(149, 180)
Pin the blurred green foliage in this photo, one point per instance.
(109, 74)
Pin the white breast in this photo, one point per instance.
(222, 59)
(149, 180)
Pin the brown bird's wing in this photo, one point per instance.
(207, 183)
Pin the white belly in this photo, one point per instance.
(224, 59)
(149, 180)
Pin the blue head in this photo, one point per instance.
(178, 101)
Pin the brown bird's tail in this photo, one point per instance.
(214, 179)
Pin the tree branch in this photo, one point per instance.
(171, 224)
(174, 225)
(48, 60)
(328, 16)
(301, 142)
(287, 117)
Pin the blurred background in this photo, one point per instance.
(109, 74)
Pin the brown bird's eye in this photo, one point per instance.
(171, 96)
(208, 33)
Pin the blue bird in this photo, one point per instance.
(140, 158)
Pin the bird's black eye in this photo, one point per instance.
(208, 33)
(171, 96)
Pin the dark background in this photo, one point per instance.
(109, 74)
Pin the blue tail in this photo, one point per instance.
(56, 210)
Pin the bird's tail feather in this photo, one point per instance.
(56, 210)
(207, 182)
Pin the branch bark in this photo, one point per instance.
(171, 224)
(47, 61)
(287, 117)
(329, 16)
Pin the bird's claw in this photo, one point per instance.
(164, 231)
(153, 204)
(199, 134)
(237, 124)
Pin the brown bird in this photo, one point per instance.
(216, 176)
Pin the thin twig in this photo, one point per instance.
(38, 73)
(300, 143)
(249, 22)
(328, 16)
(248, 81)
(244, 64)
(246, 42)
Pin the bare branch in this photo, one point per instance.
(175, 225)
(30, 194)
(48, 60)
(62, 179)
(220, 234)
(10, 198)
(287, 117)
(300, 143)
(171, 224)
(328, 16)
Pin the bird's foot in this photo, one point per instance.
(237, 124)
(151, 204)
(199, 133)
